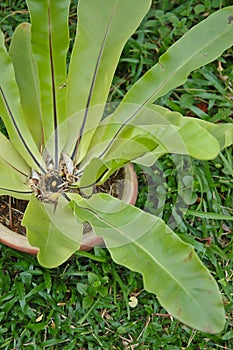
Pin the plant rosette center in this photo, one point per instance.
(48, 188)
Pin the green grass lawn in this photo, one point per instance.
(90, 302)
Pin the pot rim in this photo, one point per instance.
(20, 242)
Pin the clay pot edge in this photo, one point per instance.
(20, 242)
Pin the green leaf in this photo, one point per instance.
(87, 302)
(91, 256)
(14, 171)
(198, 138)
(11, 112)
(12, 182)
(91, 174)
(50, 42)
(223, 133)
(11, 156)
(27, 79)
(117, 152)
(170, 268)
(209, 215)
(155, 131)
(227, 336)
(199, 46)
(185, 135)
(53, 229)
(102, 32)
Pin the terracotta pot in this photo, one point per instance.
(20, 242)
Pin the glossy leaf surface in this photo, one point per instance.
(170, 267)
(14, 171)
(53, 229)
(27, 79)
(102, 32)
(152, 128)
(11, 111)
(201, 45)
(50, 42)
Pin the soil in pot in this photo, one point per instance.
(12, 209)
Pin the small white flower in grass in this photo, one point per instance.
(133, 301)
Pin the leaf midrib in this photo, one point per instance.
(140, 247)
